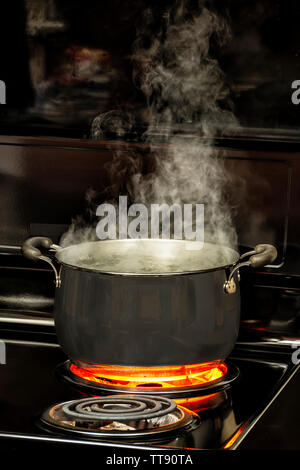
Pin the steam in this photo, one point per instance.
(183, 86)
(180, 80)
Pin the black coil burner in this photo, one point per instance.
(118, 416)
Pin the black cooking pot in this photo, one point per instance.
(147, 302)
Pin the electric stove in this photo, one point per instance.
(42, 402)
(253, 404)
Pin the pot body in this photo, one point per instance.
(132, 320)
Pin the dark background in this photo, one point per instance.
(48, 92)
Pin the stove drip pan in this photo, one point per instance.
(118, 416)
(174, 381)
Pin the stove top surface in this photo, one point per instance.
(31, 384)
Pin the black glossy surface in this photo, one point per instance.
(270, 305)
(260, 61)
(45, 182)
(29, 385)
(279, 427)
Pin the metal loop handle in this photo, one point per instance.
(262, 255)
(31, 250)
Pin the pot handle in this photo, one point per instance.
(31, 250)
(262, 255)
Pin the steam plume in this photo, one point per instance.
(183, 86)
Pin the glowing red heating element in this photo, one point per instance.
(194, 375)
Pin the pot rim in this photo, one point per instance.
(235, 255)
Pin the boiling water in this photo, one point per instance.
(146, 256)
